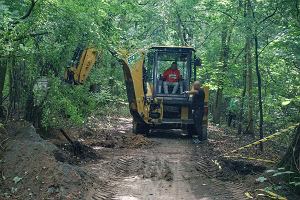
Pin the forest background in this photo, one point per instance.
(249, 48)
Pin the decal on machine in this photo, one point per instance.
(134, 58)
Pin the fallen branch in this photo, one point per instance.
(77, 147)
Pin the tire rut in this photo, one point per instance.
(174, 169)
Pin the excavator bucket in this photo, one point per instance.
(79, 69)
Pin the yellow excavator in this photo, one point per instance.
(81, 64)
(151, 106)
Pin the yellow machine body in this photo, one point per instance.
(147, 108)
(78, 73)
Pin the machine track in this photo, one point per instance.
(173, 169)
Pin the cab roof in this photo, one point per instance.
(173, 48)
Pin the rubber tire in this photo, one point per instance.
(140, 128)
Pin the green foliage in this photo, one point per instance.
(63, 102)
(45, 42)
(6, 17)
(287, 178)
(67, 105)
(46, 39)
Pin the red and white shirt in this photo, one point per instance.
(171, 75)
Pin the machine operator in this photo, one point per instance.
(171, 77)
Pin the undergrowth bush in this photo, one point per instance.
(69, 105)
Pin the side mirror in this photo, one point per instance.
(197, 62)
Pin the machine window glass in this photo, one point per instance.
(165, 61)
(172, 72)
(149, 64)
(148, 73)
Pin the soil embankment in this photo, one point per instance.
(30, 170)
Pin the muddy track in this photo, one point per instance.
(174, 168)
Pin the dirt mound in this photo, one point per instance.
(109, 133)
(30, 170)
(243, 167)
(87, 154)
(137, 141)
(238, 169)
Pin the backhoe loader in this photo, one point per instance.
(152, 104)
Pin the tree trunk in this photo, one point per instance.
(12, 87)
(224, 56)
(242, 101)
(3, 69)
(291, 160)
(180, 30)
(250, 126)
(261, 116)
(29, 108)
(218, 106)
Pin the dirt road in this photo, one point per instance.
(119, 165)
(173, 168)
(116, 164)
